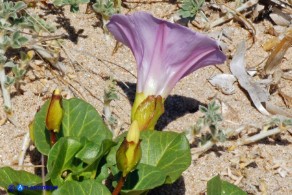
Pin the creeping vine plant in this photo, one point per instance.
(82, 153)
(80, 147)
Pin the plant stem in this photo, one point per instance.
(25, 145)
(231, 13)
(259, 136)
(53, 138)
(5, 92)
(202, 148)
(43, 173)
(119, 186)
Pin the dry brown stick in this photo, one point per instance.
(228, 17)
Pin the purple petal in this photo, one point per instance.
(164, 52)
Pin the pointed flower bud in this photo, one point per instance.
(129, 153)
(31, 131)
(148, 111)
(133, 134)
(55, 112)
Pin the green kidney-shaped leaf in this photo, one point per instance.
(40, 133)
(144, 178)
(80, 119)
(216, 186)
(166, 152)
(10, 178)
(71, 159)
(82, 188)
(61, 158)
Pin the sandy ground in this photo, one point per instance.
(90, 61)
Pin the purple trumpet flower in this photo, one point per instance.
(164, 52)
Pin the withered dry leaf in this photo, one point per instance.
(229, 113)
(223, 82)
(287, 99)
(280, 18)
(276, 110)
(255, 90)
(278, 53)
(52, 58)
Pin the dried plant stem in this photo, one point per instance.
(119, 186)
(263, 134)
(228, 17)
(209, 144)
(244, 141)
(5, 92)
(107, 113)
(200, 150)
(25, 145)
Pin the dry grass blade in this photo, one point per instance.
(278, 53)
(276, 110)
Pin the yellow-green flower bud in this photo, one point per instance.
(139, 98)
(55, 112)
(31, 131)
(134, 133)
(129, 153)
(148, 111)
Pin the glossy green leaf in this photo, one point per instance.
(71, 159)
(80, 119)
(82, 188)
(216, 186)
(10, 178)
(41, 134)
(60, 160)
(144, 178)
(166, 152)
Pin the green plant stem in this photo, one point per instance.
(119, 186)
